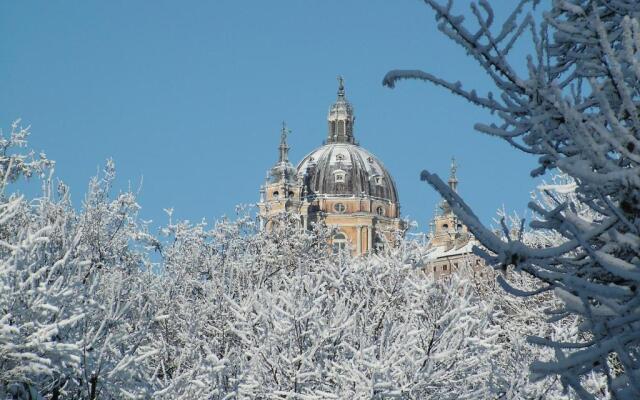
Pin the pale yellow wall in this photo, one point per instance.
(359, 215)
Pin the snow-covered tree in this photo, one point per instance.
(576, 107)
(73, 304)
(93, 306)
(277, 315)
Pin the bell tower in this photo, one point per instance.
(450, 242)
(447, 228)
(283, 188)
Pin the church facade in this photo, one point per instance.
(339, 184)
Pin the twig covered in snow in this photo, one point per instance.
(577, 108)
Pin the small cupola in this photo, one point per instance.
(340, 119)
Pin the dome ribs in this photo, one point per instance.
(360, 167)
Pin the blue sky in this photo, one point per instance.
(189, 96)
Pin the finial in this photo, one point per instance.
(284, 148)
(453, 180)
(454, 167)
(340, 86)
(284, 132)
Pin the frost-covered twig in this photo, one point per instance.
(576, 106)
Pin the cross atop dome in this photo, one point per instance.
(340, 118)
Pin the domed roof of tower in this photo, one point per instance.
(345, 169)
(341, 167)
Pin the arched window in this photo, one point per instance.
(445, 226)
(340, 208)
(276, 194)
(340, 177)
(339, 242)
(291, 194)
(380, 210)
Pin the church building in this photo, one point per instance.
(339, 184)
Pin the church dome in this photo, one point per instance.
(345, 169)
(339, 184)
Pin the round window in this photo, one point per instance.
(339, 207)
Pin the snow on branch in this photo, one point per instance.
(576, 106)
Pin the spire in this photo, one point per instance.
(284, 147)
(453, 180)
(283, 170)
(453, 184)
(341, 118)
